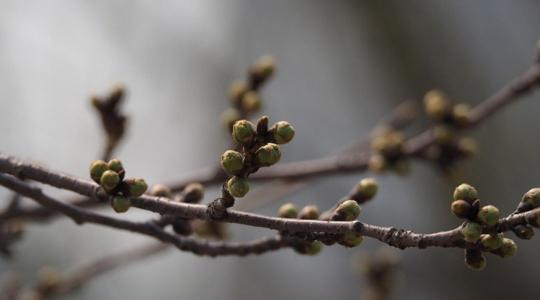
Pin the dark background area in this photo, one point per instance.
(341, 66)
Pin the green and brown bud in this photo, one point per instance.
(97, 168)
(348, 210)
(232, 161)
(115, 165)
(351, 239)
(465, 192)
(120, 204)
(475, 259)
(436, 104)
(243, 132)
(377, 163)
(492, 242)
(109, 180)
(367, 188)
(251, 102)
(193, 193)
(489, 215)
(461, 208)
(523, 232)
(507, 249)
(313, 248)
(283, 132)
(471, 232)
(160, 190)
(532, 197)
(460, 113)
(237, 186)
(309, 212)
(264, 67)
(288, 210)
(388, 143)
(268, 154)
(137, 186)
(468, 146)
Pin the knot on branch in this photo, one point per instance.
(395, 237)
(217, 209)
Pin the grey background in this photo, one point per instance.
(342, 65)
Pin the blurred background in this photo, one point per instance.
(341, 66)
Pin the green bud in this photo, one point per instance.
(238, 186)
(465, 192)
(367, 188)
(309, 212)
(460, 113)
(268, 154)
(532, 197)
(491, 242)
(115, 165)
(243, 132)
(288, 210)
(461, 208)
(436, 104)
(489, 215)
(109, 180)
(349, 209)
(232, 161)
(251, 102)
(137, 186)
(193, 192)
(160, 190)
(351, 239)
(283, 132)
(475, 260)
(508, 248)
(471, 232)
(313, 248)
(120, 204)
(97, 168)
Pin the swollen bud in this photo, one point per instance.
(160, 190)
(523, 232)
(232, 161)
(467, 146)
(349, 210)
(465, 192)
(377, 163)
(367, 188)
(288, 210)
(115, 165)
(460, 113)
(97, 168)
(243, 132)
(532, 197)
(120, 204)
(475, 259)
(268, 154)
(489, 215)
(237, 90)
(283, 132)
(264, 67)
(508, 248)
(313, 248)
(461, 208)
(193, 192)
(251, 102)
(351, 239)
(137, 186)
(436, 104)
(309, 212)
(492, 242)
(109, 180)
(238, 186)
(471, 232)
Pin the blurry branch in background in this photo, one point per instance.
(380, 270)
(258, 146)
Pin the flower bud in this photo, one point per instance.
(264, 67)
(230, 116)
(377, 163)
(465, 192)
(97, 168)
(232, 161)
(460, 114)
(243, 132)
(367, 188)
(532, 197)
(489, 215)
(468, 146)
(137, 186)
(237, 89)
(268, 154)
(523, 232)
(120, 204)
(443, 134)
(115, 165)
(313, 248)
(309, 212)
(237, 186)
(251, 102)
(193, 193)
(475, 260)
(349, 210)
(491, 242)
(471, 232)
(351, 239)
(436, 104)
(160, 190)
(283, 132)
(288, 210)
(461, 208)
(508, 248)
(109, 180)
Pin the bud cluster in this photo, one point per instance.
(110, 176)
(245, 94)
(259, 148)
(480, 229)
(387, 145)
(442, 109)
